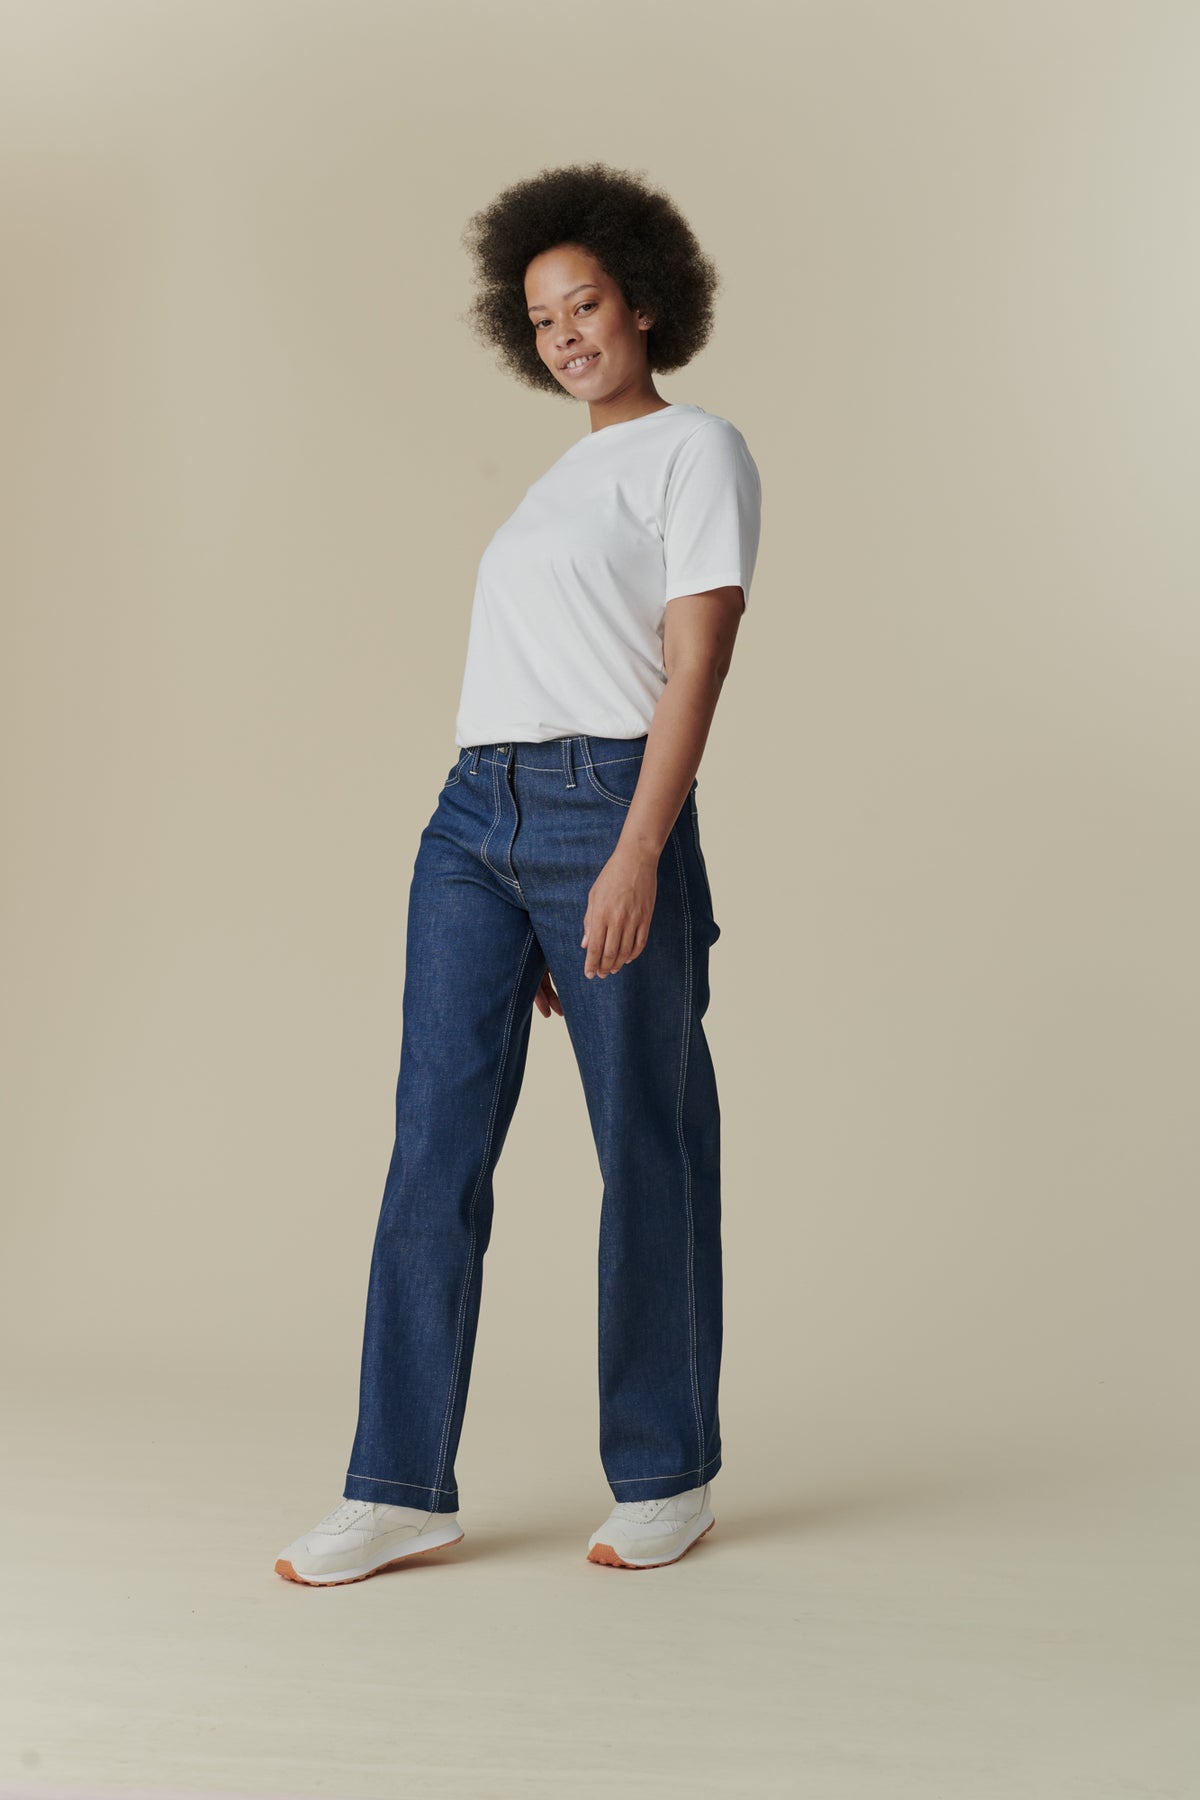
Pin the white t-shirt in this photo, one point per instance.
(567, 622)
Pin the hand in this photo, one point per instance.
(616, 925)
(546, 999)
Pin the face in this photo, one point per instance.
(577, 311)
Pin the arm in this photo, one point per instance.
(698, 637)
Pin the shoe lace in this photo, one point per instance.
(346, 1512)
(641, 1510)
(648, 1512)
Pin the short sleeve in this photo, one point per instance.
(712, 512)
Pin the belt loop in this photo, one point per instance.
(473, 765)
(568, 763)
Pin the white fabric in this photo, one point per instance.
(567, 622)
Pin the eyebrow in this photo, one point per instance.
(539, 306)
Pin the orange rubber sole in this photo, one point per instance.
(284, 1568)
(604, 1553)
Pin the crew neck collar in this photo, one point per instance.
(672, 406)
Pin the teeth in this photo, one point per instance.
(579, 362)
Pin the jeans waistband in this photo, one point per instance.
(558, 755)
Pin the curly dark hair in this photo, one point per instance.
(635, 232)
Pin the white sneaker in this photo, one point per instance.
(361, 1537)
(645, 1534)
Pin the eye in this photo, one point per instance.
(538, 323)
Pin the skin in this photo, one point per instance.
(576, 307)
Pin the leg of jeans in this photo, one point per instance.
(651, 1093)
(473, 966)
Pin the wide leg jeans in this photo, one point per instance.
(499, 891)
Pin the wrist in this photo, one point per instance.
(639, 847)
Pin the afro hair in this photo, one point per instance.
(635, 232)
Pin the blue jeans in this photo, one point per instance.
(499, 890)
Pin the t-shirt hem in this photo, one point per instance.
(723, 578)
(527, 734)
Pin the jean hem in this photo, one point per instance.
(400, 1493)
(664, 1487)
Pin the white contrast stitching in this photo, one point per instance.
(487, 862)
(591, 768)
(422, 1487)
(443, 1447)
(678, 1476)
(687, 1163)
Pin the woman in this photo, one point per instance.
(562, 869)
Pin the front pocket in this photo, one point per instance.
(617, 780)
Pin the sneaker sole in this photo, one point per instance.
(441, 1542)
(604, 1553)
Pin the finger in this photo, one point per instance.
(595, 951)
(640, 940)
(611, 959)
(631, 947)
(614, 960)
(627, 949)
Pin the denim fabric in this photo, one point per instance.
(499, 891)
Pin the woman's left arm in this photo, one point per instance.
(699, 631)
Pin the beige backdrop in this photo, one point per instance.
(252, 457)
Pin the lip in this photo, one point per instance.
(573, 374)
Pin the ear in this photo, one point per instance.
(645, 321)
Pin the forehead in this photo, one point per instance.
(557, 274)
(576, 293)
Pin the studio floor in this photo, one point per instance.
(867, 1625)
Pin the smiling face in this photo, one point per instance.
(592, 342)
